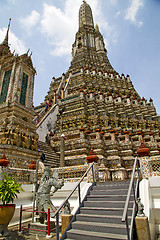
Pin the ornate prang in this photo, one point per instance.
(103, 109)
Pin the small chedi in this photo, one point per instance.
(18, 137)
(97, 107)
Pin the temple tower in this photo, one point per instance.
(98, 107)
(17, 132)
(89, 46)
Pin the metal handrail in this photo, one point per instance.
(77, 186)
(135, 192)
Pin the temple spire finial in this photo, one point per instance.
(97, 28)
(5, 41)
(85, 15)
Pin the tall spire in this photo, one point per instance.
(88, 50)
(5, 41)
(4, 47)
(85, 15)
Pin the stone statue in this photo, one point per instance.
(43, 193)
(34, 140)
(15, 137)
(140, 207)
(67, 209)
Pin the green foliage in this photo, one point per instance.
(9, 189)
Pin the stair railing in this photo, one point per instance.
(56, 214)
(135, 193)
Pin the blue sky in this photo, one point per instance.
(47, 27)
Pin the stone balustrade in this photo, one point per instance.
(72, 173)
(27, 176)
(150, 166)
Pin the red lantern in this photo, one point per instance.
(32, 166)
(92, 157)
(4, 161)
(143, 150)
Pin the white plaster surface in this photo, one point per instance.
(26, 199)
(50, 121)
(150, 197)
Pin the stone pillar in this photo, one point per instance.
(62, 159)
(54, 98)
(143, 153)
(98, 136)
(28, 92)
(82, 133)
(66, 218)
(142, 228)
(113, 138)
(17, 83)
(139, 136)
(10, 88)
(151, 137)
(126, 136)
(62, 93)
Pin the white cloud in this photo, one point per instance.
(11, 2)
(114, 2)
(132, 12)
(30, 21)
(60, 26)
(14, 42)
(118, 13)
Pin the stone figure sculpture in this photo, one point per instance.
(67, 208)
(140, 207)
(43, 193)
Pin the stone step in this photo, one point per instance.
(109, 192)
(111, 204)
(110, 186)
(52, 159)
(104, 211)
(87, 235)
(100, 218)
(108, 197)
(103, 227)
(69, 239)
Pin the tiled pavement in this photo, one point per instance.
(24, 236)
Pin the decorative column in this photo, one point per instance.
(10, 88)
(62, 161)
(82, 132)
(92, 157)
(62, 93)
(54, 97)
(126, 136)
(113, 138)
(143, 153)
(140, 134)
(28, 91)
(98, 136)
(17, 83)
